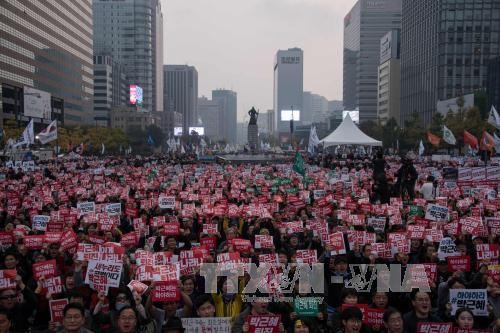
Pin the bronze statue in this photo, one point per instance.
(254, 114)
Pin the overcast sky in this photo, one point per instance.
(232, 44)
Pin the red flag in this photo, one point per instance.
(487, 141)
(471, 140)
(433, 139)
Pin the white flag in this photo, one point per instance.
(49, 133)
(103, 149)
(448, 136)
(421, 148)
(497, 142)
(183, 151)
(494, 118)
(28, 136)
(203, 143)
(313, 140)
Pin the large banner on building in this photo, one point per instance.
(37, 103)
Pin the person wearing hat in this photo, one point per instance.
(173, 325)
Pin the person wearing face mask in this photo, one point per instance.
(228, 304)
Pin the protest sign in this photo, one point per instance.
(52, 285)
(34, 242)
(487, 252)
(171, 229)
(263, 323)
(104, 273)
(240, 244)
(263, 242)
(113, 208)
(337, 244)
(447, 248)
(46, 269)
(458, 263)
(374, 317)
(436, 212)
(165, 291)
(56, 309)
(207, 325)
(138, 287)
(377, 223)
(430, 327)
(475, 300)
(166, 202)
(210, 228)
(7, 279)
(85, 207)
(306, 306)
(306, 256)
(39, 222)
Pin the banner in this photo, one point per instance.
(207, 325)
(306, 306)
(166, 291)
(475, 300)
(56, 309)
(263, 323)
(429, 327)
(37, 103)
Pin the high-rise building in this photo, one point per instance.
(493, 87)
(210, 113)
(180, 90)
(364, 25)
(315, 108)
(47, 45)
(288, 90)
(228, 101)
(389, 78)
(131, 31)
(110, 88)
(445, 51)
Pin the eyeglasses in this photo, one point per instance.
(8, 297)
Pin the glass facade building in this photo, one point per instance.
(47, 45)
(131, 32)
(364, 26)
(446, 47)
(228, 101)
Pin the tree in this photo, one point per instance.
(156, 134)
(412, 133)
(371, 128)
(437, 122)
(390, 133)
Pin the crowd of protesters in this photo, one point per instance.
(52, 217)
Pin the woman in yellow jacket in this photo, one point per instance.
(228, 304)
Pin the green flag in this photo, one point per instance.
(298, 164)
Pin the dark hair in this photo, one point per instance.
(459, 312)
(128, 307)
(7, 314)
(202, 299)
(348, 292)
(184, 278)
(389, 312)
(76, 306)
(414, 292)
(454, 280)
(352, 312)
(74, 294)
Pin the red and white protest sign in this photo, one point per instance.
(337, 244)
(34, 242)
(306, 256)
(241, 245)
(374, 317)
(46, 269)
(56, 309)
(171, 229)
(487, 252)
(138, 287)
(263, 241)
(458, 263)
(210, 228)
(429, 327)
(52, 285)
(7, 279)
(165, 291)
(264, 323)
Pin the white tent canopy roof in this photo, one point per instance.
(349, 134)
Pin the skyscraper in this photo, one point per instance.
(228, 121)
(181, 91)
(445, 50)
(364, 25)
(288, 90)
(47, 45)
(389, 78)
(209, 112)
(131, 32)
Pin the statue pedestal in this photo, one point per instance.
(253, 137)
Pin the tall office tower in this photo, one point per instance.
(110, 88)
(446, 47)
(46, 45)
(229, 111)
(181, 91)
(364, 25)
(389, 78)
(209, 111)
(131, 32)
(288, 90)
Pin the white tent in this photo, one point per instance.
(349, 134)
